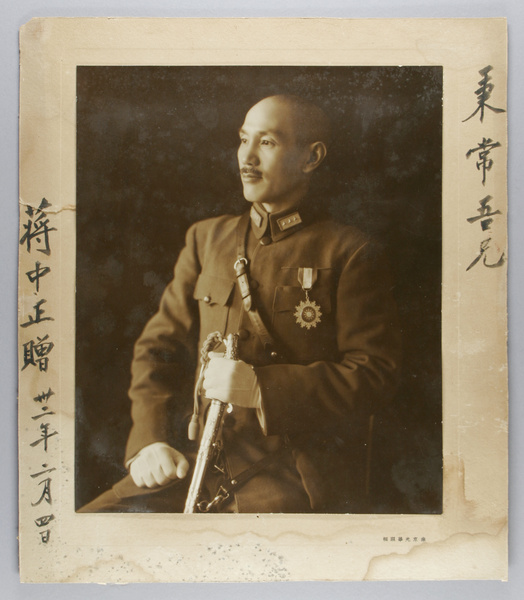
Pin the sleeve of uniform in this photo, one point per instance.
(299, 397)
(164, 354)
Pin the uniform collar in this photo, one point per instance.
(275, 226)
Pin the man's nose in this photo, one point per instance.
(248, 154)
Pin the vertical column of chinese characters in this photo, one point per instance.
(37, 347)
(490, 252)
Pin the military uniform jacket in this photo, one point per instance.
(336, 373)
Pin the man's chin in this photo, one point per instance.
(251, 196)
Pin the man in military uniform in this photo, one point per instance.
(318, 344)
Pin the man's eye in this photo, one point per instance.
(243, 140)
(266, 143)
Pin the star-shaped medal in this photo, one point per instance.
(307, 313)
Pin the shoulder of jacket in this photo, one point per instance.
(341, 234)
(348, 242)
(214, 226)
(214, 222)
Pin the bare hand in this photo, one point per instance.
(157, 465)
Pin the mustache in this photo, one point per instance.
(250, 171)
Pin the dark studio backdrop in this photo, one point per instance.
(156, 151)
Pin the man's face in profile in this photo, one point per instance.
(271, 161)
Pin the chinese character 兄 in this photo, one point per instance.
(484, 247)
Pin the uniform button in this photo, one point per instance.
(243, 334)
(207, 299)
(254, 285)
(266, 240)
(274, 355)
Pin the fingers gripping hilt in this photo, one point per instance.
(210, 437)
(212, 342)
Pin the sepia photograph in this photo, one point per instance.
(298, 210)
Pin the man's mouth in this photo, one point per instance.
(250, 174)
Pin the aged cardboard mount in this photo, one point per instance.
(127, 136)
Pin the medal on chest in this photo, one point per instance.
(307, 312)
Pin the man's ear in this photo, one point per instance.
(317, 153)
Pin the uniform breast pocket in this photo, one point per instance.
(305, 327)
(214, 298)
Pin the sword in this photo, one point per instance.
(209, 444)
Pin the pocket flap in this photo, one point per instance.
(213, 290)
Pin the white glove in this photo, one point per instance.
(158, 464)
(231, 381)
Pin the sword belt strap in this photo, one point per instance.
(232, 484)
(238, 480)
(242, 274)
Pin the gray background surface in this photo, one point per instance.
(16, 14)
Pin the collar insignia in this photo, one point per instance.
(256, 217)
(289, 221)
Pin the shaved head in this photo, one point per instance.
(282, 141)
(310, 123)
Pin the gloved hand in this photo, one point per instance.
(231, 381)
(158, 464)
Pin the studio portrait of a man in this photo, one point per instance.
(300, 209)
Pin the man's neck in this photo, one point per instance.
(293, 201)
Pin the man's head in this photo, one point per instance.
(282, 141)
